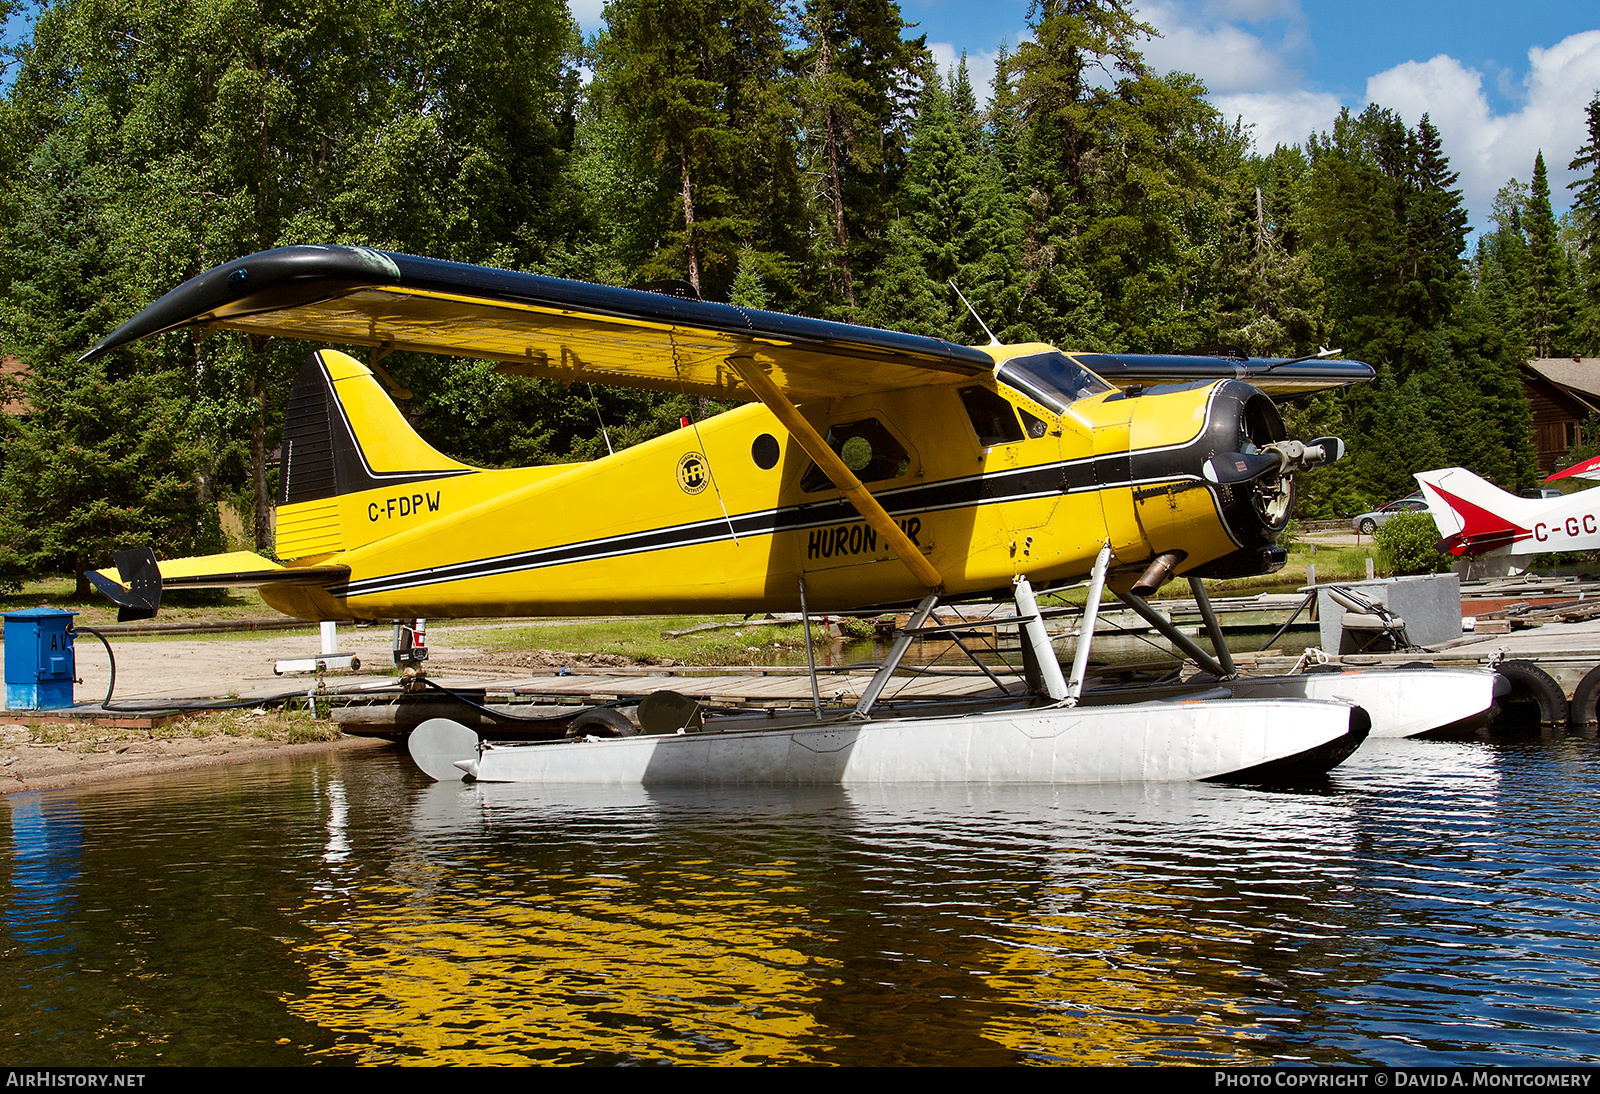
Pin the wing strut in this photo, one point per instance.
(758, 381)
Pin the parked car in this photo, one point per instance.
(1367, 523)
(1540, 493)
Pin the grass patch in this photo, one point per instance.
(1332, 563)
(296, 726)
(641, 641)
(279, 724)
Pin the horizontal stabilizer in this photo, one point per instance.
(138, 580)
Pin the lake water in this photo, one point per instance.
(1431, 903)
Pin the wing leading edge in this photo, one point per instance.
(576, 331)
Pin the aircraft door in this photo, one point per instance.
(1021, 449)
(1112, 476)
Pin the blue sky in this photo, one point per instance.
(1500, 80)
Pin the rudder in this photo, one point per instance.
(343, 436)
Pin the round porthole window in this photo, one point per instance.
(765, 451)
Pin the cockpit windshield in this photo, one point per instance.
(1053, 379)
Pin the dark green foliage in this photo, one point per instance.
(802, 158)
(1407, 545)
(1586, 228)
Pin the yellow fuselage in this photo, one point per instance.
(723, 516)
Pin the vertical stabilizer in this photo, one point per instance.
(342, 437)
(1474, 516)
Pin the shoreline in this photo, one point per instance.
(30, 766)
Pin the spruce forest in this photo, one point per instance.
(798, 155)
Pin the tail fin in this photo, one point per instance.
(343, 436)
(1474, 516)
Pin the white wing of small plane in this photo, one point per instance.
(1583, 469)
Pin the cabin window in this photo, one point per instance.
(1052, 379)
(1035, 427)
(992, 418)
(867, 449)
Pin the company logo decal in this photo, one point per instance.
(693, 475)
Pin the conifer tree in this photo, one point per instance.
(860, 80)
(1546, 307)
(1067, 113)
(1586, 220)
(699, 82)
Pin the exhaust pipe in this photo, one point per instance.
(1159, 572)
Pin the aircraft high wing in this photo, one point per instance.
(876, 466)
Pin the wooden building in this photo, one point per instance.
(1563, 392)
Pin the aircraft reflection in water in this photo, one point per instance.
(813, 926)
(288, 911)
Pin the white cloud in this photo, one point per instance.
(1280, 117)
(1228, 58)
(1488, 148)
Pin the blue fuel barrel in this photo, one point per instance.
(40, 666)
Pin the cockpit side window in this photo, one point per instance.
(992, 418)
(867, 449)
(1052, 379)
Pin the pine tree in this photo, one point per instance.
(108, 457)
(1586, 220)
(699, 83)
(860, 79)
(1068, 115)
(1547, 306)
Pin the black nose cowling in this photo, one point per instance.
(1244, 458)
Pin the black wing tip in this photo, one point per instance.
(264, 281)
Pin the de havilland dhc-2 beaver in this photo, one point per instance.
(869, 468)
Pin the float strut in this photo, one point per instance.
(1213, 627)
(1038, 640)
(1174, 635)
(811, 661)
(1091, 613)
(897, 651)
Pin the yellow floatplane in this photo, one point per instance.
(869, 468)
